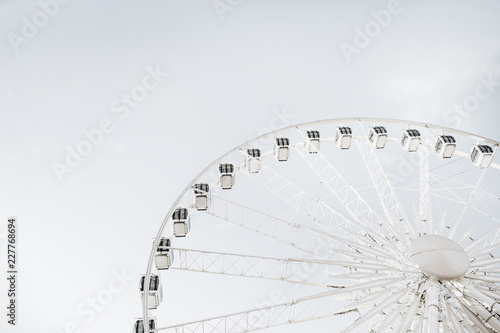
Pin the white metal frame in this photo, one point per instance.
(473, 298)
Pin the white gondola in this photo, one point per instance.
(343, 137)
(155, 291)
(164, 256)
(281, 149)
(180, 222)
(378, 136)
(410, 139)
(481, 156)
(312, 141)
(226, 176)
(445, 146)
(139, 325)
(201, 197)
(253, 160)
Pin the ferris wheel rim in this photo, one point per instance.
(267, 135)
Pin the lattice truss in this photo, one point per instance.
(356, 247)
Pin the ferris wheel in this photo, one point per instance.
(370, 225)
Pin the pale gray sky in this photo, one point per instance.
(232, 75)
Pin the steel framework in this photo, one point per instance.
(358, 252)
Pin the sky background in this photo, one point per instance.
(236, 69)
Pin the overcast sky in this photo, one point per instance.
(165, 87)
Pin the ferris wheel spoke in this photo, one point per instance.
(489, 216)
(473, 317)
(442, 222)
(485, 279)
(418, 323)
(364, 275)
(467, 289)
(443, 317)
(425, 224)
(367, 252)
(361, 212)
(367, 300)
(357, 206)
(454, 319)
(358, 256)
(483, 313)
(464, 320)
(462, 314)
(473, 247)
(302, 271)
(431, 321)
(445, 324)
(371, 298)
(490, 291)
(458, 220)
(387, 302)
(384, 240)
(299, 236)
(322, 214)
(466, 235)
(391, 316)
(485, 263)
(364, 246)
(453, 198)
(441, 181)
(394, 234)
(388, 198)
(303, 309)
(410, 313)
(486, 250)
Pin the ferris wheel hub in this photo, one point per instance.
(439, 257)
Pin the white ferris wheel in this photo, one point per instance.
(359, 224)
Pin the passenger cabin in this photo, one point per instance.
(445, 146)
(410, 139)
(312, 141)
(139, 325)
(253, 160)
(481, 156)
(377, 136)
(155, 295)
(164, 256)
(201, 197)
(282, 149)
(226, 176)
(180, 222)
(343, 137)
